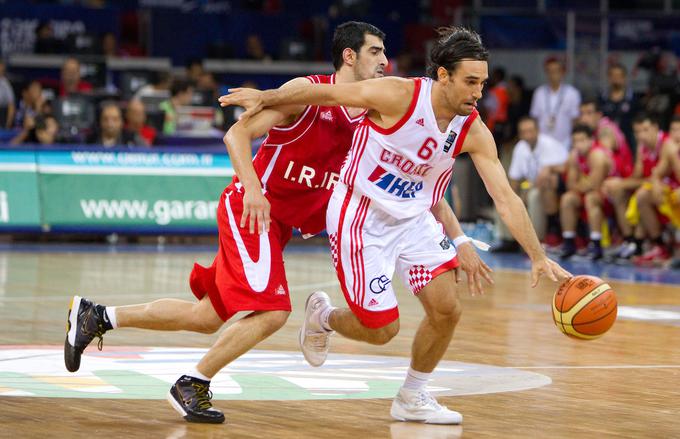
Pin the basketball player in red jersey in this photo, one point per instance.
(379, 218)
(292, 174)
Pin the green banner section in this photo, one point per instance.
(116, 200)
(19, 206)
(101, 190)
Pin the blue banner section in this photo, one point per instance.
(527, 32)
(17, 157)
(139, 160)
(19, 20)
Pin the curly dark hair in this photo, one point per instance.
(454, 45)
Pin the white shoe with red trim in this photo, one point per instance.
(314, 339)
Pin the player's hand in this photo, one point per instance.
(256, 210)
(248, 98)
(547, 267)
(474, 268)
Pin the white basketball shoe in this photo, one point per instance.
(420, 406)
(314, 339)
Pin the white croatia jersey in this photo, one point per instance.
(405, 169)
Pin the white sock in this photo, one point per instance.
(324, 317)
(595, 236)
(111, 314)
(416, 380)
(194, 373)
(568, 234)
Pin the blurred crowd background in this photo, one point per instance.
(583, 97)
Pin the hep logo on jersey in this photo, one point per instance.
(392, 184)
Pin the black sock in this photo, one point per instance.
(101, 311)
(553, 224)
(596, 243)
(658, 241)
(628, 238)
(638, 246)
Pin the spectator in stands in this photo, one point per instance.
(588, 165)
(110, 132)
(255, 49)
(618, 102)
(659, 199)
(45, 43)
(555, 104)
(42, 129)
(402, 66)
(135, 122)
(70, 78)
(109, 45)
(181, 93)
(538, 161)
(7, 102)
(31, 103)
(518, 106)
(194, 70)
(650, 140)
(663, 88)
(159, 87)
(206, 83)
(496, 102)
(608, 134)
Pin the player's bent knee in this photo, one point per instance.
(274, 320)
(447, 317)
(210, 325)
(381, 336)
(644, 196)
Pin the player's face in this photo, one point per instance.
(589, 115)
(646, 133)
(581, 142)
(463, 88)
(371, 60)
(674, 132)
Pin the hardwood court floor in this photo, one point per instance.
(626, 384)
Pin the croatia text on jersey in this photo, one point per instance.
(394, 185)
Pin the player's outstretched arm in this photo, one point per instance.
(238, 141)
(480, 145)
(474, 267)
(384, 95)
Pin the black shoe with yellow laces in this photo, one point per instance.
(191, 398)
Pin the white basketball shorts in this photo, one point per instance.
(367, 246)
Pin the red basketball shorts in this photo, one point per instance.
(247, 273)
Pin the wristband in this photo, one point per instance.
(462, 239)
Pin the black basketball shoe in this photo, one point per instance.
(191, 398)
(86, 321)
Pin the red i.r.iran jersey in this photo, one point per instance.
(299, 164)
(651, 156)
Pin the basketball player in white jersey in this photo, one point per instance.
(379, 217)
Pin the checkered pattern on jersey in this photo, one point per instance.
(333, 239)
(418, 277)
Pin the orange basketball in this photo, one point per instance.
(584, 307)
